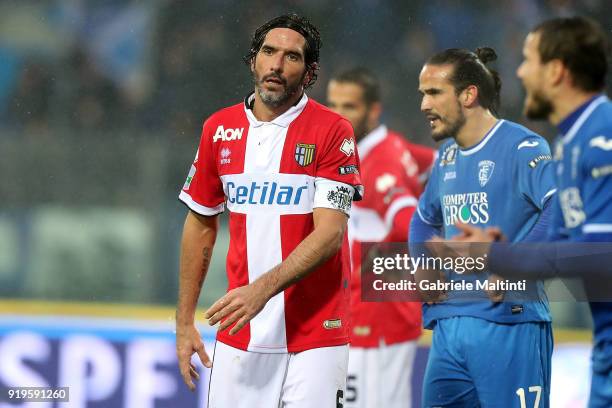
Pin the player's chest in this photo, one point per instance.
(483, 173)
(267, 148)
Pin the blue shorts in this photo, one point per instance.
(477, 363)
(601, 381)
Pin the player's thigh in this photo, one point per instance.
(395, 367)
(446, 382)
(510, 363)
(362, 378)
(245, 379)
(601, 380)
(601, 390)
(316, 378)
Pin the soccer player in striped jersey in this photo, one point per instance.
(276, 162)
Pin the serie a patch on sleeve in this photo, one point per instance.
(350, 169)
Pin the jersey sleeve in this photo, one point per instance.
(389, 190)
(596, 188)
(556, 226)
(535, 170)
(203, 189)
(429, 208)
(337, 176)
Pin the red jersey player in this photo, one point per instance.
(275, 162)
(384, 335)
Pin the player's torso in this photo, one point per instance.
(571, 154)
(388, 170)
(478, 187)
(268, 171)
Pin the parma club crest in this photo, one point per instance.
(304, 153)
(485, 171)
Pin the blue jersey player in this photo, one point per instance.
(490, 172)
(564, 71)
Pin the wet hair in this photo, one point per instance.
(365, 79)
(296, 23)
(470, 68)
(581, 45)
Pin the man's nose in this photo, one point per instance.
(277, 63)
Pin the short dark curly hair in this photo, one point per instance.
(296, 23)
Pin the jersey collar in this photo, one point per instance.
(576, 119)
(370, 140)
(283, 120)
(483, 141)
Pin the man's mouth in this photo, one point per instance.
(433, 120)
(274, 80)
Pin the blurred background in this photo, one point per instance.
(101, 107)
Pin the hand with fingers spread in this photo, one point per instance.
(188, 342)
(238, 306)
(471, 242)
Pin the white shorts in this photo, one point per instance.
(311, 378)
(380, 376)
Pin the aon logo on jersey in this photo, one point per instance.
(468, 208)
(227, 135)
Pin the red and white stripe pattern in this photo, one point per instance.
(271, 195)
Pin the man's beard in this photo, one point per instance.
(540, 108)
(276, 99)
(452, 128)
(361, 128)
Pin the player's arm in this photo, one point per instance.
(198, 240)
(203, 194)
(427, 221)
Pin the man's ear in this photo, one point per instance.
(469, 96)
(556, 72)
(310, 73)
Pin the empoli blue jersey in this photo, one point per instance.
(583, 207)
(504, 181)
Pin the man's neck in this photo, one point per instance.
(266, 113)
(567, 102)
(475, 129)
(368, 130)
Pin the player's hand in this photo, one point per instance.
(238, 306)
(431, 276)
(189, 341)
(471, 242)
(495, 295)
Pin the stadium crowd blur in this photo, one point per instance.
(102, 102)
